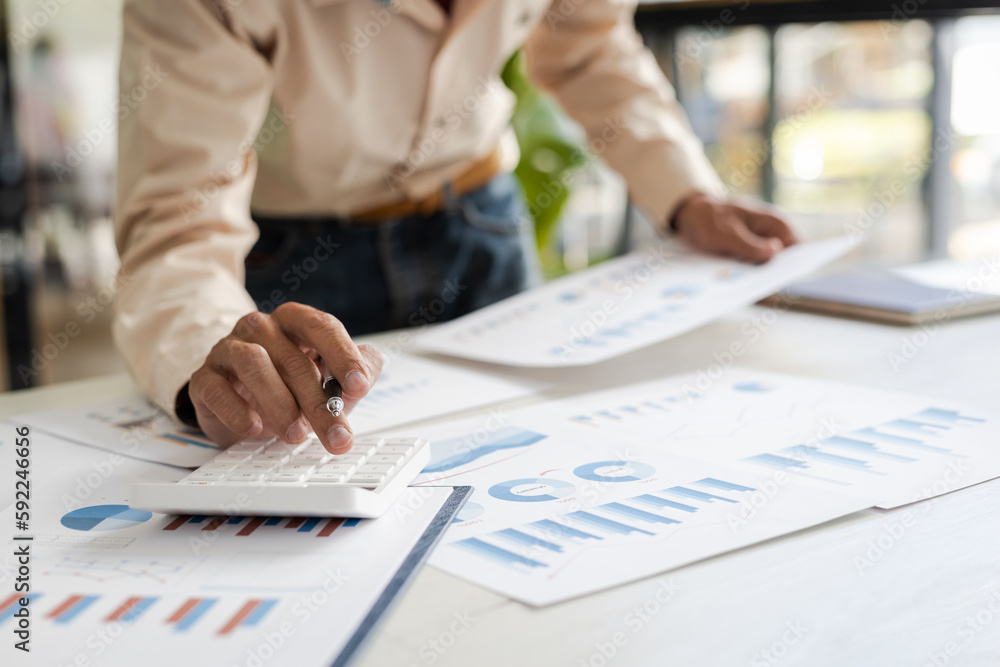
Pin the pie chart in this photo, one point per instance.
(104, 517)
(615, 471)
(532, 490)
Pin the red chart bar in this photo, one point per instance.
(122, 610)
(70, 601)
(244, 611)
(183, 610)
(9, 602)
(215, 523)
(254, 524)
(178, 522)
(295, 522)
(331, 525)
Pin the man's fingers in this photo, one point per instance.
(297, 372)
(253, 364)
(212, 392)
(325, 334)
(738, 241)
(770, 225)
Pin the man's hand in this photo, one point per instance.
(721, 228)
(264, 378)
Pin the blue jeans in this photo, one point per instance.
(401, 272)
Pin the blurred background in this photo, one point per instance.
(851, 117)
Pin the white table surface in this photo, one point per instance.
(797, 600)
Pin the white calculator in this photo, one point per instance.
(271, 477)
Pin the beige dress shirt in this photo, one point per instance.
(334, 107)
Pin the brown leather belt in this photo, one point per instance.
(476, 176)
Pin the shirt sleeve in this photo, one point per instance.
(193, 95)
(589, 56)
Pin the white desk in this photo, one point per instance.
(801, 597)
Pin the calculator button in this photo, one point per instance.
(228, 457)
(286, 477)
(351, 458)
(220, 466)
(205, 476)
(402, 450)
(370, 478)
(314, 459)
(368, 441)
(391, 459)
(327, 478)
(189, 481)
(247, 447)
(277, 457)
(337, 468)
(397, 442)
(380, 468)
(245, 477)
(258, 467)
(299, 468)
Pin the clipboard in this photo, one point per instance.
(404, 576)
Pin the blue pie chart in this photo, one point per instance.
(531, 490)
(105, 517)
(615, 471)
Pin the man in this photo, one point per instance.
(366, 142)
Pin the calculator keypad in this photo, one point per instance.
(370, 463)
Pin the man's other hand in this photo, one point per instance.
(751, 233)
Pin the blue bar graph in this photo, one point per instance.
(273, 521)
(496, 553)
(234, 520)
(259, 612)
(524, 539)
(350, 523)
(917, 427)
(309, 525)
(549, 526)
(868, 448)
(775, 461)
(633, 513)
(696, 495)
(657, 502)
(714, 483)
(200, 518)
(605, 524)
(870, 433)
(810, 452)
(946, 416)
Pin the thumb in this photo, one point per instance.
(741, 243)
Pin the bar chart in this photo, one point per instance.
(546, 543)
(860, 457)
(243, 526)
